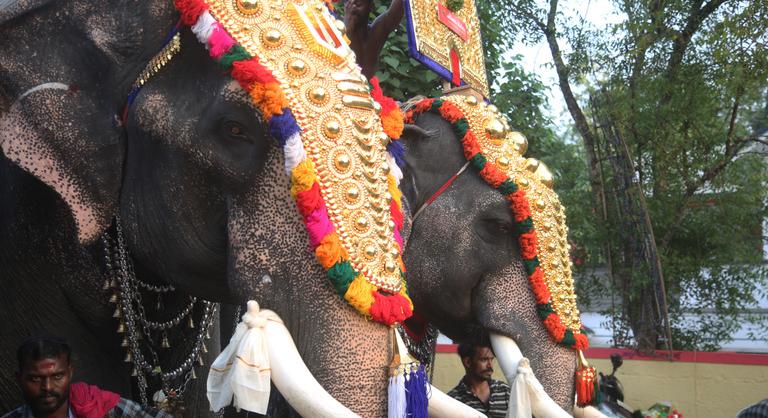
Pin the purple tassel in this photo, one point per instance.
(397, 151)
(282, 127)
(416, 393)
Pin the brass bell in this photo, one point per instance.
(200, 360)
(113, 298)
(192, 374)
(164, 343)
(121, 328)
(191, 322)
(128, 357)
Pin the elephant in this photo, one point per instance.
(190, 170)
(463, 261)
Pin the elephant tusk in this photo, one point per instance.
(443, 406)
(533, 399)
(587, 412)
(294, 380)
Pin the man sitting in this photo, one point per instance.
(44, 375)
(476, 389)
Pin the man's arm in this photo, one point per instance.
(368, 41)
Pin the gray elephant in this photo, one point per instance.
(465, 269)
(200, 188)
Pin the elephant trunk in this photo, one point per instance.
(505, 305)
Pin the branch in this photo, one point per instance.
(731, 149)
(683, 40)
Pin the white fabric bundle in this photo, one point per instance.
(242, 370)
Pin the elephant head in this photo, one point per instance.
(466, 267)
(193, 173)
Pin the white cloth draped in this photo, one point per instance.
(241, 373)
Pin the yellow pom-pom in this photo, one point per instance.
(397, 195)
(302, 177)
(360, 295)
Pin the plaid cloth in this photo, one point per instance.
(758, 410)
(124, 408)
(498, 401)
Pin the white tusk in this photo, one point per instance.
(587, 412)
(534, 398)
(443, 406)
(294, 380)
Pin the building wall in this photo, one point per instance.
(695, 385)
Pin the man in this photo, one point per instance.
(44, 375)
(476, 389)
(368, 40)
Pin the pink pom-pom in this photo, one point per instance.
(318, 225)
(220, 42)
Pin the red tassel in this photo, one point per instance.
(585, 382)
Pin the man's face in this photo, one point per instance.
(45, 383)
(479, 366)
(358, 8)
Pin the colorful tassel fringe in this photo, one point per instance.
(267, 95)
(416, 393)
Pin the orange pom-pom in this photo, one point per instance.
(330, 251)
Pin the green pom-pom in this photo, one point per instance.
(436, 105)
(508, 187)
(341, 275)
(544, 310)
(526, 225)
(478, 161)
(530, 265)
(568, 339)
(461, 126)
(236, 53)
(454, 5)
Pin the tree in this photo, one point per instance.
(670, 95)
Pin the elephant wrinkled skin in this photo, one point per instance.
(464, 269)
(201, 190)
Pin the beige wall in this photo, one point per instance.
(697, 390)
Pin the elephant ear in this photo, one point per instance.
(62, 137)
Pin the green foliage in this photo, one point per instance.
(683, 88)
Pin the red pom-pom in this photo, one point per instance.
(249, 72)
(555, 327)
(492, 175)
(423, 105)
(190, 10)
(582, 343)
(309, 200)
(539, 287)
(450, 112)
(521, 210)
(528, 242)
(387, 103)
(471, 147)
(390, 309)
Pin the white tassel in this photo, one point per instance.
(294, 152)
(204, 27)
(394, 169)
(396, 403)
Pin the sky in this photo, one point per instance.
(537, 58)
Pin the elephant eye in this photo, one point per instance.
(234, 130)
